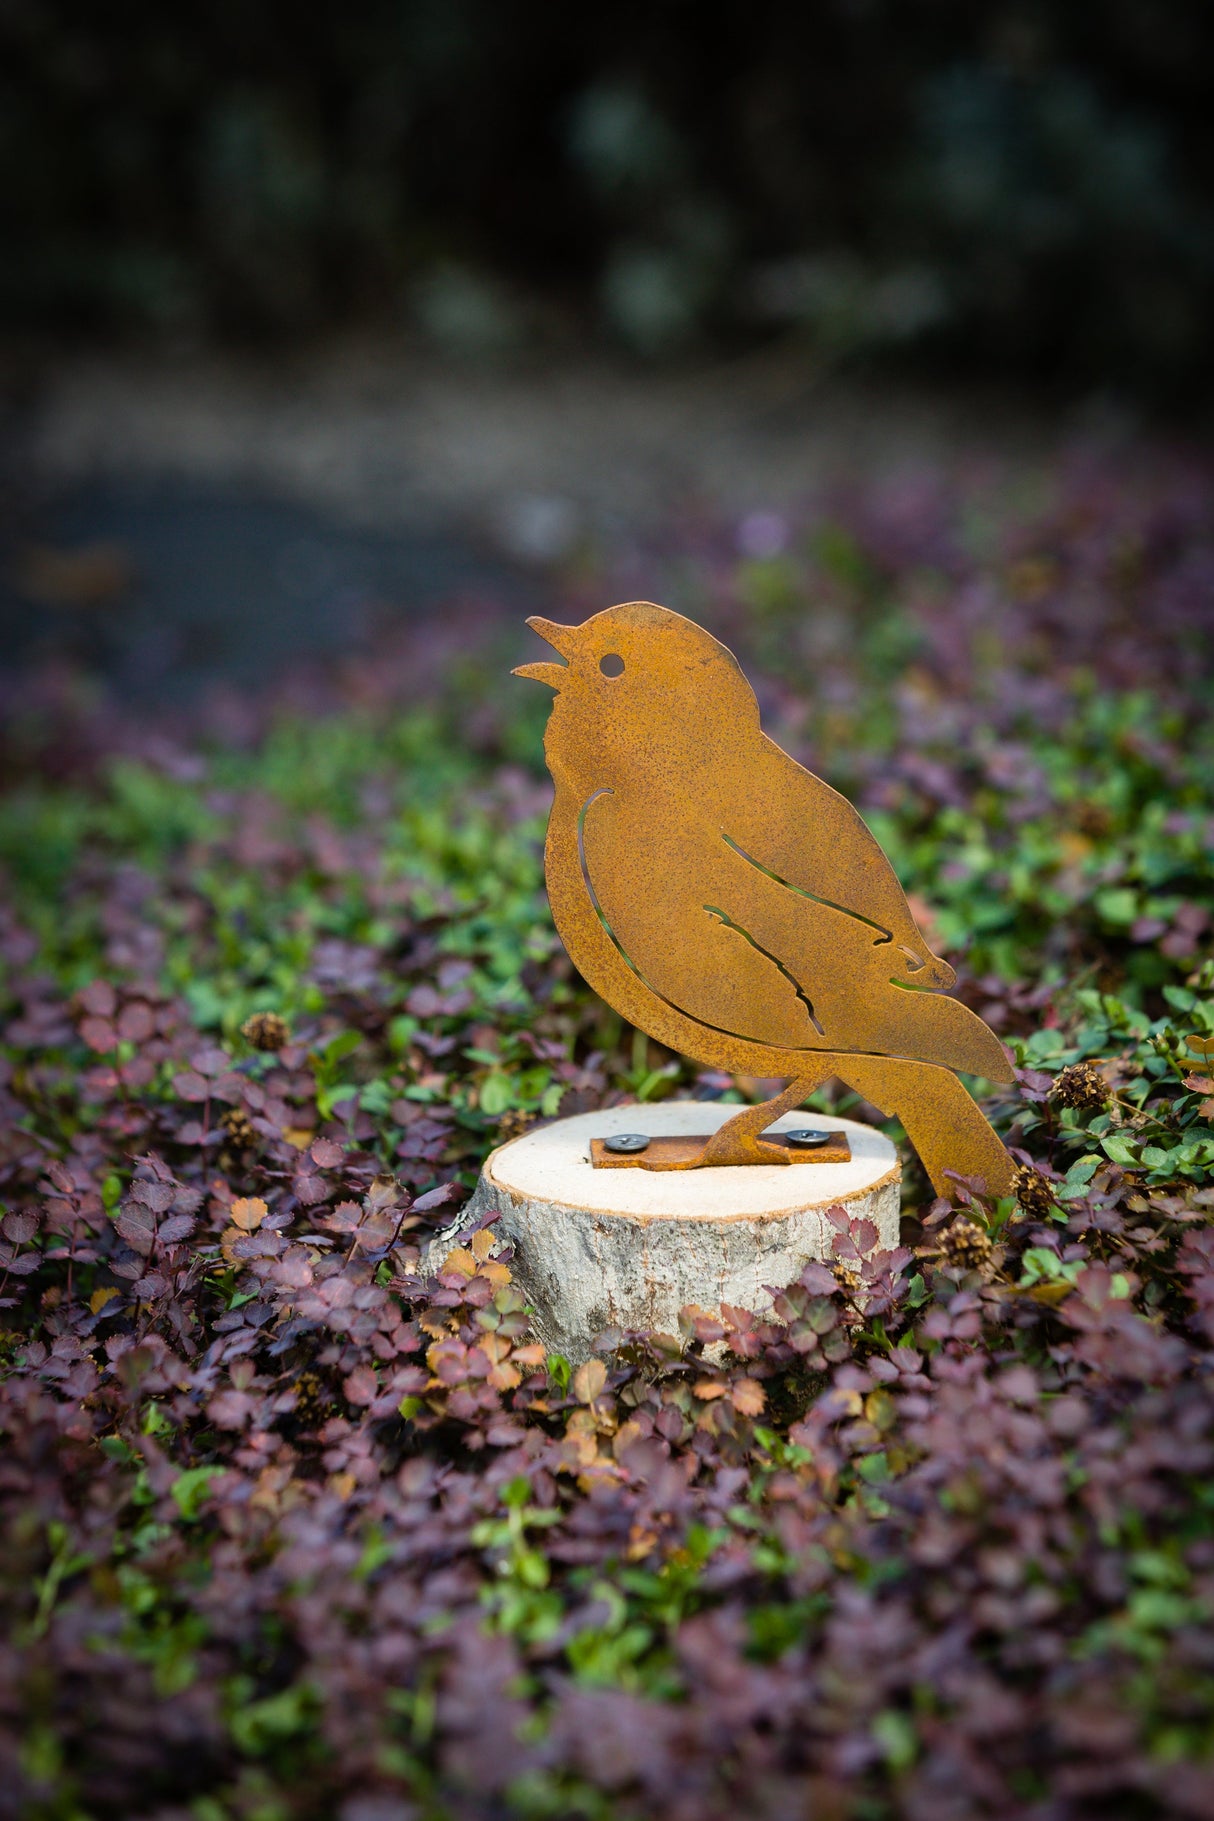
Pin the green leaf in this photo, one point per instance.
(1118, 906)
(343, 1044)
(496, 1095)
(376, 1097)
(895, 1733)
(190, 1488)
(256, 1726)
(1120, 1149)
(328, 1098)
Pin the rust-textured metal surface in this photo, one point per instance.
(687, 1153)
(736, 908)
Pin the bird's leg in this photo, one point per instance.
(739, 1140)
(942, 1122)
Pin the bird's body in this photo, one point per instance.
(727, 901)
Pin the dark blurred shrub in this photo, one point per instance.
(1057, 223)
(1024, 187)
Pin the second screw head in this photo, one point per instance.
(808, 1138)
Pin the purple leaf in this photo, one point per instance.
(177, 1227)
(442, 1197)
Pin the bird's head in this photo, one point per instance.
(637, 685)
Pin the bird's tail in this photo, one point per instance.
(942, 1122)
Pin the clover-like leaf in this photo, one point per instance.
(748, 1397)
(19, 1227)
(589, 1380)
(248, 1212)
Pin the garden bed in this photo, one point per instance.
(292, 1529)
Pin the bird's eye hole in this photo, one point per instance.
(612, 665)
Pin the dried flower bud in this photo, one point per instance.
(265, 1031)
(313, 1398)
(850, 1278)
(1096, 820)
(1033, 1192)
(849, 1275)
(967, 1245)
(239, 1128)
(513, 1123)
(1082, 1086)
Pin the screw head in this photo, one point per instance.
(626, 1143)
(808, 1138)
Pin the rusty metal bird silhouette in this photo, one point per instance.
(734, 907)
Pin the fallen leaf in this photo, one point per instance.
(748, 1397)
(496, 1272)
(248, 1213)
(589, 1380)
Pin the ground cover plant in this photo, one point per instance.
(296, 1526)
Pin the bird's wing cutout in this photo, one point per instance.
(788, 823)
(658, 901)
(855, 980)
(729, 945)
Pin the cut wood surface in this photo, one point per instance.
(595, 1249)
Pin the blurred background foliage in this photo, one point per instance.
(1010, 188)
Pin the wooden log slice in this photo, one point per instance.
(629, 1248)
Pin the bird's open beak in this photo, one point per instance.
(562, 639)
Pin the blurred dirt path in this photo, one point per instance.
(529, 457)
(177, 525)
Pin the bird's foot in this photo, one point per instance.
(740, 1139)
(728, 1148)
